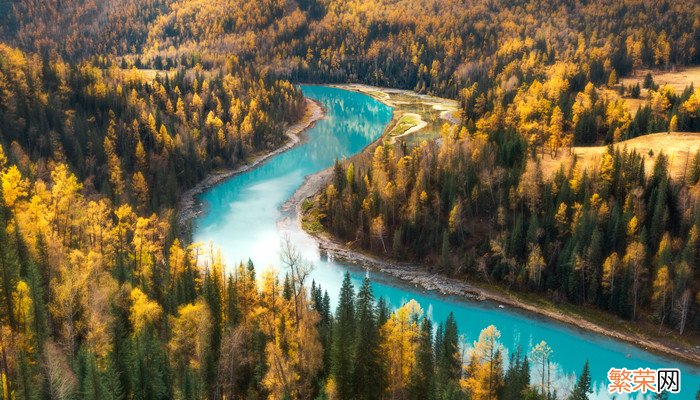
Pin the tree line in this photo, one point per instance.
(439, 47)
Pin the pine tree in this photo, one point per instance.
(648, 81)
(148, 372)
(26, 378)
(448, 359)
(445, 261)
(368, 372)
(286, 288)
(382, 311)
(635, 91)
(517, 378)
(321, 303)
(212, 290)
(344, 341)
(9, 272)
(583, 386)
(233, 312)
(422, 386)
(93, 385)
(121, 356)
(39, 310)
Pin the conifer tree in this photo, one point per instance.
(94, 385)
(583, 385)
(149, 372)
(344, 330)
(368, 372)
(9, 272)
(382, 311)
(212, 290)
(447, 352)
(517, 377)
(422, 383)
(233, 312)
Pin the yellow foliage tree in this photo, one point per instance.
(144, 312)
(22, 303)
(662, 289)
(556, 131)
(634, 261)
(14, 187)
(400, 336)
(191, 335)
(484, 374)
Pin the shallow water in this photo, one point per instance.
(243, 217)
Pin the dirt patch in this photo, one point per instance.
(678, 79)
(680, 147)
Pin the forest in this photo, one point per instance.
(478, 205)
(110, 110)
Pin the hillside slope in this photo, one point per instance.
(680, 147)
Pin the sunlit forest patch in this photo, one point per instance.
(543, 147)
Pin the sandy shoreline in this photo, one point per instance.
(189, 208)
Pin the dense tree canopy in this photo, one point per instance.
(109, 110)
(137, 138)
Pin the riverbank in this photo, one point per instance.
(417, 275)
(579, 317)
(447, 286)
(189, 208)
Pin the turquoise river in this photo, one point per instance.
(243, 217)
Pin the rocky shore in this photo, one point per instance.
(447, 286)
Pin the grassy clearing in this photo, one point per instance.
(631, 105)
(678, 79)
(406, 122)
(310, 217)
(680, 147)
